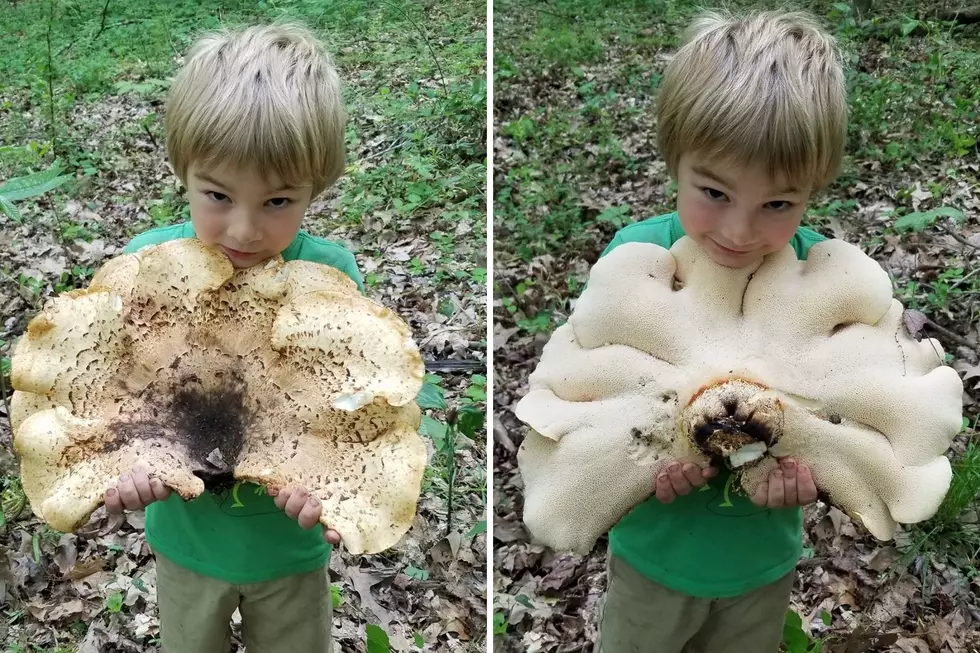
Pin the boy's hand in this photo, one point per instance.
(789, 485)
(135, 491)
(304, 508)
(679, 479)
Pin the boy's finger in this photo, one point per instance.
(160, 491)
(296, 502)
(128, 495)
(693, 474)
(806, 488)
(709, 472)
(761, 495)
(788, 465)
(282, 496)
(309, 515)
(142, 483)
(331, 536)
(790, 497)
(776, 494)
(677, 479)
(113, 503)
(665, 491)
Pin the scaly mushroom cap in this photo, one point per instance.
(278, 374)
(670, 356)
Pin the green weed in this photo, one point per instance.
(795, 640)
(467, 420)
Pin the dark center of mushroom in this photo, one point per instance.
(209, 419)
(212, 423)
(725, 435)
(741, 420)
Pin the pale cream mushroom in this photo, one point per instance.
(670, 356)
(279, 374)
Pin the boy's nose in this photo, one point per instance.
(242, 228)
(737, 229)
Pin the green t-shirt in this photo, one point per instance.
(240, 536)
(713, 542)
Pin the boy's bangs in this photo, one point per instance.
(252, 141)
(783, 143)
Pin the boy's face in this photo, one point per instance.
(736, 214)
(251, 217)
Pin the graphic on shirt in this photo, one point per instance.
(245, 500)
(259, 489)
(720, 502)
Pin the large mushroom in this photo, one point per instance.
(669, 356)
(278, 374)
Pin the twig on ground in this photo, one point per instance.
(428, 44)
(105, 10)
(960, 239)
(399, 142)
(955, 337)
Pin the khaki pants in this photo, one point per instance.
(641, 616)
(287, 615)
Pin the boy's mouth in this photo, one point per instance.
(235, 254)
(728, 250)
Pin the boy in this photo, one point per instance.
(751, 121)
(255, 131)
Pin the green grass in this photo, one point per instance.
(953, 534)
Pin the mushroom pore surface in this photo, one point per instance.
(669, 356)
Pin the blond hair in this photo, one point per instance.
(267, 97)
(765, 89)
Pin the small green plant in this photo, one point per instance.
(114, 602)
(33, 286)
(947, 535)
(795, 640)
(920, 221)
(540, 323)
(31, 185)
(78, 277)
(467, 419)
(377, 639)
(499, 623)
(336, 596)
(416, 573)
(617, 216)
(12, 499)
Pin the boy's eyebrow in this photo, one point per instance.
(704, 172)
(208, 178)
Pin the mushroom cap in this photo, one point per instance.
(280, 374)
(668, 354)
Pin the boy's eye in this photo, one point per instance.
(779, 205)
(279, 202)
(714, 193)
(216, 196)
